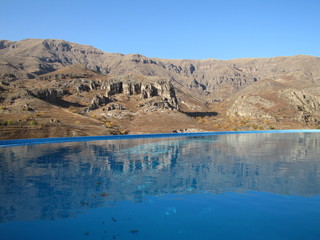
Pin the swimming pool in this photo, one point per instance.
(262, 185)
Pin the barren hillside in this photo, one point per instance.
(53, 88)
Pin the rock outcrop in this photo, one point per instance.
(97, 102)
(114, 106)
(8, 76)
(306, 105)
(146, 90)
(49, 94)
(251, 106)
(61, 76)
(85, 85)
(154, 104)
(188, 130)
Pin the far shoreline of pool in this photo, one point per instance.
(22, 142)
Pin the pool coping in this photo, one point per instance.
(35, 141)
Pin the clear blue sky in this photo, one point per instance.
(181, 29)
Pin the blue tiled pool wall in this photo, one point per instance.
(17, 142)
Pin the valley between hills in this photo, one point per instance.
(55, 88)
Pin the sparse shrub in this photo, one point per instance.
(244, 121)
(203, 120)
(19, 123)
(124, 132)
(7, 123)
(266, 122)
(109, 124)
(40, 114)
(199, 119)
(272, 127)
(216, 125)
(77, 122)
(73, 109)
(11, 122)
(130, 117)
(33, 123)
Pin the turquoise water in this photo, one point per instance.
(244, 186)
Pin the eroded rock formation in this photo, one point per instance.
(146, 90)
(97, 102)
(306, 105)
(49, 94)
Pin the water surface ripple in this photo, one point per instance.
(244, 186)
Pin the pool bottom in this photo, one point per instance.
(232, 215)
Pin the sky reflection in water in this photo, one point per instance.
(250, 186)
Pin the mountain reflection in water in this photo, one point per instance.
(49, 181)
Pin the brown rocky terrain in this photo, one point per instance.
(54, 88)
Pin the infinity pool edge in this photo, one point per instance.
(35, 141)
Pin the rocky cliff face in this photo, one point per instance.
(275, 101)
(145, 90)
(49, 94)
(307, 105)
(97, 102)
(251, 106)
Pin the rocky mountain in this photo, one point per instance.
(82, 82)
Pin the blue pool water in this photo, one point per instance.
(237, 186)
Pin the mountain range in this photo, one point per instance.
(55, 88)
